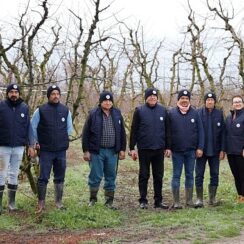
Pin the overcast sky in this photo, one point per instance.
(159, 17)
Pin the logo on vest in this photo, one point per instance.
(161, 118)
(119, 121)
(218, 124)
(63, 119)
(238, 125)
(22, 115)
(193, 120)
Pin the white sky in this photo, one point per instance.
(160, 18)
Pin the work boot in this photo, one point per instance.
(212, 195)
(188, 196)
(58, 192)
(1, 199)
(176, 198)
(93, 196)
(11, 197)
(199, 201)
(41, 190)
(109, 198)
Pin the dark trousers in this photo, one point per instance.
(200, 170)
(156, 159)
(49, 160)
(236, 163)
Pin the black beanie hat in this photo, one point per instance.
(209, 95)
(184, 92)
(150, 91)
(52, 88)
(12, 87)
(106, 95)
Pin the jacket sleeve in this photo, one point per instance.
(86, 134)
(223, 134)
(200, 133)
(167, 132)
(123, 135)
(134, 129)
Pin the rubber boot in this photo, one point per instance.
(11, 197)
(109, 198)
(176, 198)
(41, 190)
(58, 192)
(188, 196)
(212, 195)
(199, 201)
(1, 199)
(93, 196)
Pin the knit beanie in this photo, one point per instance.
(12, 87)
(184, 92)
(150, 91)
(209, 95)
(106, 95)
(52, 88)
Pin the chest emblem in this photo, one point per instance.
(193, 120)
(63, 119)
(161, 118)
(119, 122)
(218, 124)
(238, 125)
(22, 115)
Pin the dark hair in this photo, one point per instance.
(239, 96)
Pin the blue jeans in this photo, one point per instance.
(103, 164)
(214, 170)
(49, 160)
(188, 160)
(10, 160)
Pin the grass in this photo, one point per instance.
(193, 225)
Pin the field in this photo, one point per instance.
(129, 224)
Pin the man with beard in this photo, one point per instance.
(52, 125)
(187, 142)
(14, 129)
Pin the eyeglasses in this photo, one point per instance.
(237, 102)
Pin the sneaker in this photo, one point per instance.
(161, 205)
(143, 205)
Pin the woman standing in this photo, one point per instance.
(235, 144)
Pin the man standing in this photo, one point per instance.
(187, 143)
(103, 143)
(213, 152)
(14, 128)
(52, 125)
(149, 132)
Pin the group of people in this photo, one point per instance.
(192, 137)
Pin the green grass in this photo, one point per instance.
(193, 225)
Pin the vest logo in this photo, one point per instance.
(218, 124)
(119, 121)
(238, 125)
(22, 115)
(161, 118)
(193, 120)
(63, 119)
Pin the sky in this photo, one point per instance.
(159, 18)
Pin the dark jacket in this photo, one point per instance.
(218, 128)
(186, 130)
(235, 133)
(14, 124)
(150, 128)
(52, 127)
(92, 131)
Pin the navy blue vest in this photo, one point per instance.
(184, 130)
(52, 127)
(235, 134)
(151, 132)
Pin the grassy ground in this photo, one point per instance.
(129, 224)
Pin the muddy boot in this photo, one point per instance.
(212, 194)
(1, 199)
(11, 197)
(199, 201)
(109, 198)
(93, 196)
(58, 192)
(176, 198)
(41, 190)
(188, 195)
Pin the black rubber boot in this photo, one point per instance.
(199, 201)
(58, 192)
(1, 199)
(109, 199)
(93, 196)
(188, 195)
(176, 198)
(11, 197)
(41, 190)
(212, 190)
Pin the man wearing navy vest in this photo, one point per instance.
(213, 152)
(52, 126)
(187, 142)
(149, 132)
(103, 144)
(14, 129)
